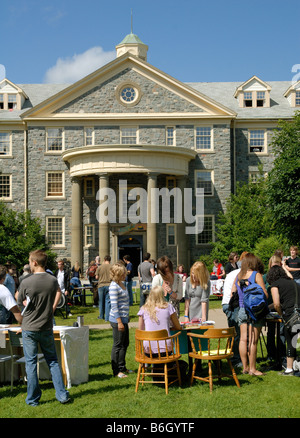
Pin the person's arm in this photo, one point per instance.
(141, 323)
(284, 265)
(287, 271)
(152, 272)
(233, 289)
(17, 314)
(186, 309)
(204, 310)
(175, 322)
(114, 300)
(276, 300)
(56, 299)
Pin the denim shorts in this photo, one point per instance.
(243, 319)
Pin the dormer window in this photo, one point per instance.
(253, 93)
(11, 96)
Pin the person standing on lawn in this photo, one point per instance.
(41, 293)
(119, 318)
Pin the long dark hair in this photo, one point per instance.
(275, 273)
(250, 262)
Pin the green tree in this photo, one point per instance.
(19, 235)
(283, 184)
(247, 219)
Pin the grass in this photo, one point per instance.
(104, 396)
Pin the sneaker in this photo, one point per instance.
(66, 401)
(70, 314)
(122, 375)
(289, 373)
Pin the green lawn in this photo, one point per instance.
(104, 396)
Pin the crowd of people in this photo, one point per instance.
(161, 290)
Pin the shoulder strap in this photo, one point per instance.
(251, 279)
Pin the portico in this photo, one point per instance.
(104, 161)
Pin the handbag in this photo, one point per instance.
(293, 323)
(234, 301)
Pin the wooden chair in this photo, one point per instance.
(219, 343)
(159, 349)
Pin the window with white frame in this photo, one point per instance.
(204, 138)
(260, 98)
(89, 235)
(171, 234)
(89, 136)
(1, 101)
(297, 98)
(55, 230)
(248, 99)
(257, 141)
(5, 187)
(55, 184)
(129, 135)
(12, 101)
(207, 235)
(89, 187)
(54, 139)
(256, 175)
(5, 143)
(170, 136)
(204, 180)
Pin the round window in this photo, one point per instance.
(128, 94)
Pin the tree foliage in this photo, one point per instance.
(246, 221)
(283, 187)
(19, 235)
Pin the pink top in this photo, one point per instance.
(163, 323)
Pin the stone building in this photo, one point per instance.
(127, 129)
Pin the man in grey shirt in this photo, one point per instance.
(146, 273)
(41, 293)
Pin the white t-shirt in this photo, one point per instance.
(6, 298)
(229, 280)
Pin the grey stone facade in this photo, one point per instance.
(162, 103)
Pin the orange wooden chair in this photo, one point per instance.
(159, 349)
(218, 346)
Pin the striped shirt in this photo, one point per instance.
(119, 300)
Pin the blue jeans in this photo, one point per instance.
(45, 339)
(104, 302)
(128, 285)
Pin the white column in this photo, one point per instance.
(151, 226)
(76, 226)
(104, 242)
(182, 237)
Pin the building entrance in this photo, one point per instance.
(132, 246)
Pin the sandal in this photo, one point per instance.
(257, 374)
(122, 375)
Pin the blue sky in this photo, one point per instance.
(192, 40)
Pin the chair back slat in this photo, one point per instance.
(15, 339)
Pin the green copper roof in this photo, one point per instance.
(131, 38)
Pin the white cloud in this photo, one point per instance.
(72, 69)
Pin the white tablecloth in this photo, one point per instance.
(75, 341)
